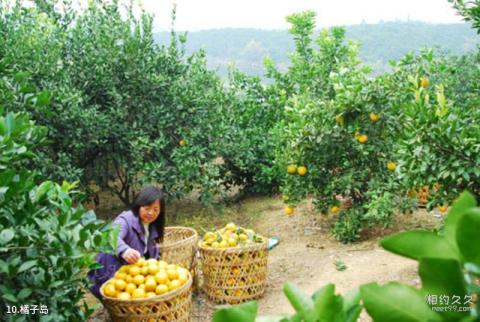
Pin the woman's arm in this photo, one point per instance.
(121, 245)
(124, 251)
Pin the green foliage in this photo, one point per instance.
(438, 141)
(47, 239)
(245, 147)
(449, 268)
(329, 128)
(119, 105)
(470, 10)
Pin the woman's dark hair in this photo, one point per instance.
(145, 197)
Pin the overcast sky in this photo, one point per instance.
(193, 15)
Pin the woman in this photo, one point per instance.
(141, 228)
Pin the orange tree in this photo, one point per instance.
(435, 99)
(336, 139)
(245, 146)
(120, 109)
(440, 144)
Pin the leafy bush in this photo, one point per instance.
(47, 239)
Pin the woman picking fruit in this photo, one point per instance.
(141, 228)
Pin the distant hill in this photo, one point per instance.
(379, 43)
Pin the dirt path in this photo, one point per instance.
(307, 253)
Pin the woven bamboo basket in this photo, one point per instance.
(179, 247)
(174, 306)
(234, 275)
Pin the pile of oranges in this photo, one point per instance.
(145, 279)
(230, 236)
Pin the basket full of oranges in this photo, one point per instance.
(234, 264)
(149, 290)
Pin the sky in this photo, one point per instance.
(194, 15)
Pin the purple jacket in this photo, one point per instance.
(132, 235)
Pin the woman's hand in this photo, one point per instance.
(131, 256)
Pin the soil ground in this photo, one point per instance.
(307, 252)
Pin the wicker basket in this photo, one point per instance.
(174, 306)
(234, 275)
(180, 247)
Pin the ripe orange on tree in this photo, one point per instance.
(292, 169)
(391, 166)
(302, 170)
(424, 82)
(362, 138)
(374, 117)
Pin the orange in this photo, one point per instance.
(152, 261)
(124, 268)
(150, 284)
(443, 208)
(141, 262)
(120, 285)
(161, 277)
(232, 242)
(123, 296)
(134, 270)
(391, 166)
(139, 279)
(209, 236)
(374, 117)
(138, 294)
(173, 285)
(292, 169)
(231, 226)
(162, 264)
(362, 138)
(109, 290)
(161, 289)
(289, 210)
(130, 288)
(302, 170)
(129, 279)
(150, 294)
(144, 270)
(223, 244)
(120, 275)
(172, 274)
(152, 269)
(335, 209)
(424, 82)
(183, 278)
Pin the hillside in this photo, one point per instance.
(379, 43)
